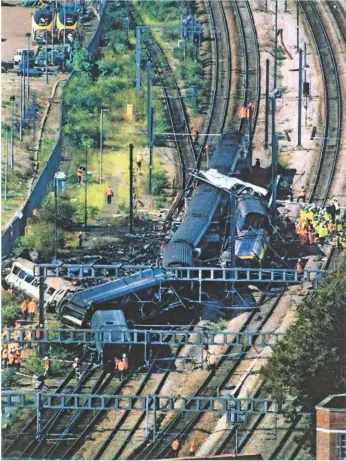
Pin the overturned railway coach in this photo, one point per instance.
(208, 210)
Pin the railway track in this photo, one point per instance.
(252, 66)
(332, 103)
(18, 448)
(217, 115)
(183, 423)
(339, 15)
(175, 106)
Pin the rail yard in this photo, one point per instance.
(174, 231)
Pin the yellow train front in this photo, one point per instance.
(42, 25)
(67, 23)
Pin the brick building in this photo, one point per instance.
(331, 428)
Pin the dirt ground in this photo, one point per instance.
(15, 23)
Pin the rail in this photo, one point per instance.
(332, 103)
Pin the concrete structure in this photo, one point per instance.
(331, 428)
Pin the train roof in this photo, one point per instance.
(71, 17)
(121, 287)
(251, 204)
(178, 254)
(43, 14)
(108, 319)
(192, 230)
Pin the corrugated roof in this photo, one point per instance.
(177, 254)
(191, 230)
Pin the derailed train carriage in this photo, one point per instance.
(207, 214)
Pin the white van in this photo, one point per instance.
(22, 278)
(22, 53)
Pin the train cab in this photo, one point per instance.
(112, 327)
(42, 26)
(67, 23)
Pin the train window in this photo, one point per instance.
(22, 275)
(29, 278)
(109, 323)
(15, 270)
(50, 291)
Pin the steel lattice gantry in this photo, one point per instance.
(141, 403)
(188, 274)
(141, 337)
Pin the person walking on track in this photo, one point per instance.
(110, 194)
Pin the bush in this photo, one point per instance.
(309, 361)
(42, 239)
(10, 309)
(66, 212)
(9, 377)
(159, 181)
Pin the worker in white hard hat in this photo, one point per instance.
(76, 367)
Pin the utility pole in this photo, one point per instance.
(101, 142)
(131, 188)
(151, 145)
(41, 303)
(21, 109)
(297, 3)
(138, 58)
(56, 214)
(266, 122)
(286, 6)
(86, 190)
(149, 100)
(28, 35)
(249, 124)
(64, 39)
(300, 96)
(12, 99)
(6, 167)
(275, 152)
(276, 45)
(46, 74)
(305, 56)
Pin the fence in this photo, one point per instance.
(15, 228)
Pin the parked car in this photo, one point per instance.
(7, 65)
(22, 54)
(23, 70)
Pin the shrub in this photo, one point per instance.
(10, 309)
(159, 181)
(42, 239)
(9, 377)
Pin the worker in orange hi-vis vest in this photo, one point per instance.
(193, 448)
(46, 366)
(32, 308)
(18, 359)
(25, 309)
(175, 445)
(116, 366)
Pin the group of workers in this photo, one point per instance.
(175, 446)
(11, 356)
(121, 366)
(29, 309)
(321, 225)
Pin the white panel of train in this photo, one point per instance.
(22, 278)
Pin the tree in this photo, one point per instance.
(309, 363)
(42, 239)
(10, 309)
